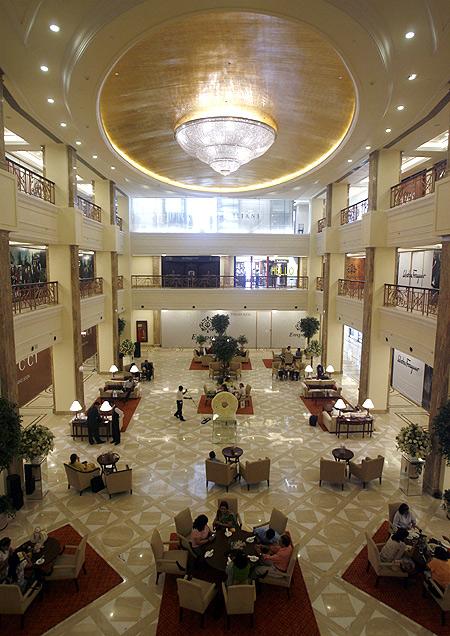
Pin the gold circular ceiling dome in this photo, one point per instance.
(228, 63)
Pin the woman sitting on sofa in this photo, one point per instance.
(83, 467)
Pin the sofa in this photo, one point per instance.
(111, 386)
(319, 388)
(329, 420)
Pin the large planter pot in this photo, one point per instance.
(411, 475)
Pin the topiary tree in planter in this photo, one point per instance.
(242, 340)
(36, 441)
(220, 323)
(441, 426)
(309, 326)
(10, 432)
(313, 350)
(224, 348)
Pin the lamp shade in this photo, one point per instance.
(340, 404)
(308, 368)
(75, 407)
(368, 404)
(330, 369)
(113, 369)
(106, 406)
(134, 369)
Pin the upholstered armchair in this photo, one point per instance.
(12, 601)
(256, 471)
(381, 568)
(183, 523)
(196, 357)
(278, 521)
(332, 471)
(440, 595)
(78, 479)
(195, 595)
(169, 561)
(232, 505)
(368, 469)
(207, 359)
(220, 473)
(215, 369)
(239, 599)
(235, 370)
(248, 390)
(119, 481)
(68, 566)
(285, 580)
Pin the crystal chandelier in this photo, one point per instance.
(225, 143)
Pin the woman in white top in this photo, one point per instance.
(404, 518)
(395, 547)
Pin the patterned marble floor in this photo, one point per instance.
(168, 474)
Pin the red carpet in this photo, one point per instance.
(206, 408)
(410, 603)
(275, 613)
(128, 409)
(60, 599)
(267, 363)
(315, 407)
(197, 366)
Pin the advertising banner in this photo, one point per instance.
(408, 375)
(34, 375)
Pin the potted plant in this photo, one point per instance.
(313, 350)
(224, 348)
(441, 426)
(446, 501)
(9, 433)
(122, 323)
(309, 326)
(6, 511)
(36, 442)
(242, 340)
(415, 444)
(220, 323)
(127, 350)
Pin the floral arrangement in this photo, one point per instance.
(36, 441)
(414, 441)
(126, 347)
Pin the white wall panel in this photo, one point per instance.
(286, 329)
(92, 235)
(349, 311)
(92, 311)
(37, 220)
(37, 330)
(263, 329)
(403, 330)
(412, 224)
(407, 375)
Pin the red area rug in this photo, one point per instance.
(197, 366)
(207, 409)
(267, 363)
(410, 602)
(316, 405)
(128, 407)
(60, 599)
(275, 613)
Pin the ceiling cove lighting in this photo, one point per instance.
(400, 107)
(55, 28)
(409, 35)
(44, 68)
(225, 143)
(388, 130)
(412, 76)
(50, 100)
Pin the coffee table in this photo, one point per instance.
(49, 551)
(232, 454)
(108, 462)
(343, 454)
(222, 545)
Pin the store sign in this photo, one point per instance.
(419, 269)
(34, 375)
(408, 376)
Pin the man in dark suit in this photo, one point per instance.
(94, 420)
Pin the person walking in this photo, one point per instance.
(94, 420)
(179, 412)
(117, 418)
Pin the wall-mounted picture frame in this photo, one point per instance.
(141, 331)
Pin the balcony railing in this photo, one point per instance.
(319, 283)
(351, 288)
(321, 223)
(89, 209)
(120, 282)
(418, 185)
(354, 212)
(119, 222)
(32, 296)
(32, 183)
(211, 281)
(91, 287)
(418, 299)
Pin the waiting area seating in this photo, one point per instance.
(195, 595)
(169, 561)
(313, 388)
(69, 566)
(380, 567)
(330, 420)
(114, 388)
(255, 471)
(239, 599)
(119, 481)
(278, 521)
(332, 471)
(78, 479)
(368, 469)
(286, 578)
(220, 473)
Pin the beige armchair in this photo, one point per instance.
(239, 599)
(278, 521)
(232, 505)
(368, 469)
(235, 370)
(285, 580)
(196, 357)
(12, 601)
(195, 595)
(381, 568)
(256, 471)
(119, 481)
(333, 471)
(207, 359)
(183, 523)
(219, 473)
(215, 369)
(248, 390)
(169, 561)
(209, 393)
(275, 368)
(68, 566)
(78, 479)
(441, 596)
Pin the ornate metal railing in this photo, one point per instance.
(420, 299)
(351, 288)
(321, 223)
(319, 283)
(211, 281)
(31, 296)
(120, 282)
(32, 183)
(89, 209)
(119, 222)
(91, 287)
(418, 185)
(354, 212)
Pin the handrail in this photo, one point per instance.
(319, 283)
(91, 287)
(418, 185)
(89, 209)
(120, 282)
(31, 296)
(212, 281)
(321, 224)
(354, 212)
(31, 182)
(351, 288)
(424, 300)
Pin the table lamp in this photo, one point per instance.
(340, 406)
(113, 369)
(368, 404)
(134, 369)
(308, 369)
(105, 407)
(330, 369)
(76, 408)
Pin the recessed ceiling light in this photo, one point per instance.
(409, 35)
(400, 107)
(44, 68)
(50, 100)
(113, 167)
(78, 143)
(349, 160)
(55, 28)
(412, 76)
(75, 168)
(388, 130)
(63, 124)
(368, 147)
(94, 156)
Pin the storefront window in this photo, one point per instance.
(254, 272)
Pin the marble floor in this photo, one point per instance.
(167, 457)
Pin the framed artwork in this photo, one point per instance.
(141, 331)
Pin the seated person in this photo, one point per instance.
(16, 571)
(240, 391)
(321, 375)
(214, 458)
(224, 517)
(147, 370)
(276, 563)
(439, 567)
(222, 388)
(127, 388)
(395, 547)
(83, 467)
(282, 371)
(238, 569)
(404, 518)
(5, 552)
(298, 353)
(266, 535)
(294, 371)
(201, 533)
